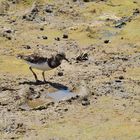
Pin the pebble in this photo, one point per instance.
(57, 38)
(60, 74)
(121, 77)
(27, 47)
(106, 41)
(85, 102)
(44, 37)
(65, 36)
(41, 29)
(8, 31)
(118, 81)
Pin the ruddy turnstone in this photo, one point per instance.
(43, 63)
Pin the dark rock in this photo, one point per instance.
(106, 41)
(8, 31)
(86, 0)
(65, 36)
(8, 109)
(82, 57)
(119, 25)
(85, 102)
(24, 17)
(49, 8)
(27, 47)
(121, 77)
(118, 81)
(122, 22)
(125, 59)
(57, 38)
(65, 109)
(136, 11)
(35, 10)
(41, 29)
(134, 1)
(44, 37)
(69, 101)
(31, 15)
(9, 38)
(60, 74)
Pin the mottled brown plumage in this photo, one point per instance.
(43, 63)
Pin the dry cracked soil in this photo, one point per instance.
(94, 97)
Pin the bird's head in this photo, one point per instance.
(61, 56)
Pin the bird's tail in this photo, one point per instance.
(20, 56)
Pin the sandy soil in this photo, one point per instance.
(106, 83)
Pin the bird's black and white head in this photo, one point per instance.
(61, 56)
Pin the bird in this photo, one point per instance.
(43, 63)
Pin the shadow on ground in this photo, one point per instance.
(54, 85)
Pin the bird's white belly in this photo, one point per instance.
(42, 66)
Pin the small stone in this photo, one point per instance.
(8, 109)
(134, 1)
(44, 37)
(121, 77)
(8, 31)
(27, 47)
(106, 41)
(86, 0)
(9, 38)
(48, 9)
(24, 17)
(136, 11)
(85, 102)
(60, 74)
(65, 109)
(118, 81)
(65, 36)
(57, 38)
(41, 29)
(82, 57)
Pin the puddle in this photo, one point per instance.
(61, 95)
(57, 96)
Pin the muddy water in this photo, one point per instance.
(61, 95)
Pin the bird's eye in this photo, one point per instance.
(61, 55)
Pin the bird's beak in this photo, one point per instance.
(67, 60)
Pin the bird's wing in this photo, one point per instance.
(33, 58)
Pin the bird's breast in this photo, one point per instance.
(40, 66)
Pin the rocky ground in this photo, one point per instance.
(101, 40)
